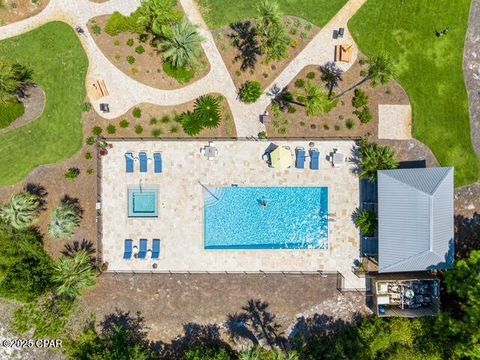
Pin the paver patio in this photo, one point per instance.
(180, 221)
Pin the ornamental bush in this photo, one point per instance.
(250, 92)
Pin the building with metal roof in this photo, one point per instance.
(415, 219)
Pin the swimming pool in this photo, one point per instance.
(142, 203)
(266, 218)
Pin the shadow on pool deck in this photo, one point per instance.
(168, 302)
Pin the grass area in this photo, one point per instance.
(9, 112)
(221, 13)
(59, 66)
(430, 70)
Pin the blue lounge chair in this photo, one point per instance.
(142, 252)
(143, 161)
(299, 158)
(314, 159)
(129, 162)
(155, 248)
(157, 162)
(127, 253)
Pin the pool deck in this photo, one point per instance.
(180, 221)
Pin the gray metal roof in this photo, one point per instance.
(415, 219)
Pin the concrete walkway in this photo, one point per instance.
(125, 92)
(471, 65)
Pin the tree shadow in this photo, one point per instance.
(282, 97)
(237, 327)
(355, 159)
(74, 203)
(72, 249)
(39, 191)
(244, 38)
(467, 236)
(195, 336)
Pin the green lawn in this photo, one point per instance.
(10, 112)
(429, 69)
(59, 63)
(221, 13)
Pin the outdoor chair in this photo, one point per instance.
(143, 162)
(314, 159)
(300, 158)
(129, 162)
(157, 162)
(341, 31)
(127, 253)
(155, 248)
(142, 252)
(104, 108)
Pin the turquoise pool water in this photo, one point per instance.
(142, 203)
(266, 218)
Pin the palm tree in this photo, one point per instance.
(158, 16)
(65, 220)
(183, 48)
(73, 275)
(332, 75)
(367, 222)
(22, 211)
(374, 158)
(207, 111)
(315, 99)
(381, 69)
(269, 15)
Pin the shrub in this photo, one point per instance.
(111, 129)
(183, 47)
(366, 221)
(174, 129)
(299, 83)
(262, 135)
(153, 121)
(292, 109)
(90, 140)
(90, 171)
(190, 124)
(97, 30)
(364, 115)
(311, 75)
(130, 42)
(72, 173)
(207, 111)
(86, 107)
(124, 123)
(97, 130)
(182, 75)
(139, 49)
(130, 59)
(360, 99)
(118, 23)
(157, 132)
(137, 112)
(65, 221)
(165, 119)
(21, 211)
(350, 124)
(88, 155)
(250, 91)
(138, 129)
(116, 42)
(302, 123)
(336, 127)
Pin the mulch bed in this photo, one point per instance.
(299, 30)
(333, 124)
(16, 10)
(168, 128)
(148, 67)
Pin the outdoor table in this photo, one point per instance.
(337, 159)
(210, 152)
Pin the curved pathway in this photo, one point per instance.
(471, 65)
(34, 106)
(125, 92)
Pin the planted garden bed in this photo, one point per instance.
(153, 121)
(298, 30)
(340, 121)
(15, 10)
(140, 60)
